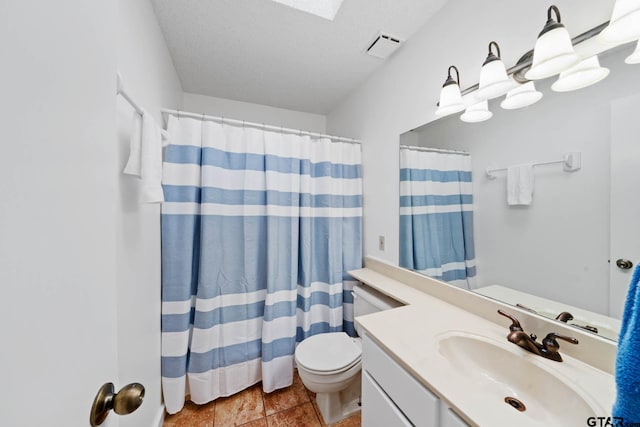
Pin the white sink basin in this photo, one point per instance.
(497, 371)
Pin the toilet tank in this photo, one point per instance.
(367, 300)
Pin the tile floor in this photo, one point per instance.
(294, 406)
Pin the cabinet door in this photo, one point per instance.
(377, 409)
(448, 418)
(414, 400)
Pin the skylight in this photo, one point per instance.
(326, 9)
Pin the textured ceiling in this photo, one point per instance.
(264, 52)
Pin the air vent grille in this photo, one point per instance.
(383, 45)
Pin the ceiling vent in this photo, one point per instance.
(383, 45)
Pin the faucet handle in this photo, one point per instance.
(515, 323)
(565, 316)
(549, 342)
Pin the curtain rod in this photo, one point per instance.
(436, 150)
(224, 120)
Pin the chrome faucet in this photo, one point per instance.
(547, 349)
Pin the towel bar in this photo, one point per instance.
(571, 162)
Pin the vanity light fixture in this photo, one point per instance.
(624, 25)
(522, 96)
(585, 73)
(450, 97)
(477, 113)
(494, 81)
(553, 52)
(634, 58)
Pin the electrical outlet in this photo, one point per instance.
(381, 243)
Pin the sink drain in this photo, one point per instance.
(515, 403)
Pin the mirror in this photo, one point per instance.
(551, 256)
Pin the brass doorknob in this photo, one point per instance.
(127, 400)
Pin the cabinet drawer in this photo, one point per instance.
(412, 398)
(448, 418)
(377, 409)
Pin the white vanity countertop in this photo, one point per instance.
(411, 335)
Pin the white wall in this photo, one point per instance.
(257, 113)
(59, 192)
(558, 247)
(402, 95)
(79, 257)
(150, 77)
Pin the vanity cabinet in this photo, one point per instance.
(377, 408)
(392, 397)
(448, 418)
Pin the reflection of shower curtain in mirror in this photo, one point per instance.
(436, 215)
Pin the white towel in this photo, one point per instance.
(520, 184)
(133, 166)
(145, 157)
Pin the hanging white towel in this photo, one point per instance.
(133, 166)
(145, 157)
(520, 184)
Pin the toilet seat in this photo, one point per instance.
(328, 353)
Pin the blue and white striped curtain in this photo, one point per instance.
(436, 215)
(259, 230)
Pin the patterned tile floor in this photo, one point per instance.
(294, 406)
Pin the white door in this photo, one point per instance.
(57, 222)
(625, 203)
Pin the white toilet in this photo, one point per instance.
(329, 364)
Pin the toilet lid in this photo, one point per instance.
(328, 352)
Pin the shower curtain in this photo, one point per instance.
(259, 229)
(436, 215)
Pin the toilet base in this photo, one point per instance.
(339, 405)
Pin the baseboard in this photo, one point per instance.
(159, 420)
